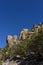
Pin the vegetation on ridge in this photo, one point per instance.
(34, 46)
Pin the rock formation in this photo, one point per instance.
(13, 40)
(25, 33)
(37, 28)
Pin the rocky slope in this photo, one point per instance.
(25, 49)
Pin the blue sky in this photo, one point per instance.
(18, 14)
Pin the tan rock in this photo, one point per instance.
(14, 38)
(42, 26)
(9, 38)
(23, 34)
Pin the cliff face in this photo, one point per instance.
(25, 33)
(11, 40)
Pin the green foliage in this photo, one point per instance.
(37, 43)
(34, 44)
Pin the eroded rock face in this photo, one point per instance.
(37, 28)
(25, 33)
(11, 40)
(15, 39)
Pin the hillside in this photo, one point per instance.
(25, 49)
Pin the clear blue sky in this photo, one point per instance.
(18, 14)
